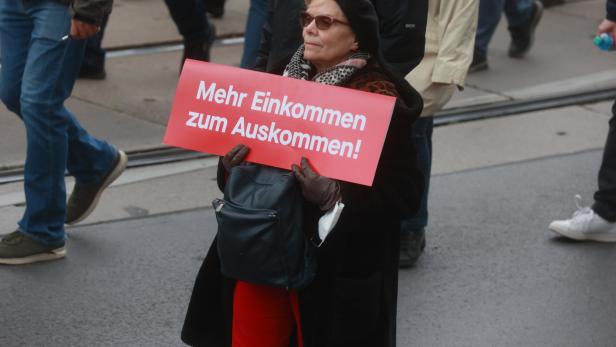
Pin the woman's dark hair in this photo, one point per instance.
(364, 22)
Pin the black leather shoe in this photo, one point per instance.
(523, 35)
(412, 244)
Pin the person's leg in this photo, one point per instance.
(435, 96)
(412, 232)
(522, 17)
(518, 11)
(262, 316)
(94, 163)
(422, 138)
(596, 223)
(93, 64)
(257, 16)
(190, 19)
(489, 16)
(192, 23)
(49, 76)
(605, 197)
(43, 219)
(15, 31)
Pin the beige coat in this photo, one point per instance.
(450, 39)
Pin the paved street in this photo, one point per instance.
(492, 273)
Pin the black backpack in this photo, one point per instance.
(260, 228)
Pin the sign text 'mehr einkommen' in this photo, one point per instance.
(263, 101)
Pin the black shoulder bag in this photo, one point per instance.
(260, 228)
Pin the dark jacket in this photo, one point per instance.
(611, 10)
(402, 29)
(89, 11)
(352, 301)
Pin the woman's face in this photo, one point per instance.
(325, 48)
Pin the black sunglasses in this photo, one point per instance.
(322, 22)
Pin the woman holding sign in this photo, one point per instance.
(352, 299)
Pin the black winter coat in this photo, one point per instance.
(402, 28)
(352, 301)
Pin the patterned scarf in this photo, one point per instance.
(339, 74)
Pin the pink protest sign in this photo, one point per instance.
(340, 130)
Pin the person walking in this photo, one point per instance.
(41, 51)
(598, 222)
(450, 36)
(523, 16)
(352, 300)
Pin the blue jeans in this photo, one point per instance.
(516, 11)
(38, 73)
(257, 16)
(422, 139)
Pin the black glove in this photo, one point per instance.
(317, 189)
(235, 156)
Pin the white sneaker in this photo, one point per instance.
(585, 225)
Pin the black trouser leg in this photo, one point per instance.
(94, 58)
(190, 19)
(605, 197)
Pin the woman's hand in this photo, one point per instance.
(235, 156)
(317, 189)
(607, 26)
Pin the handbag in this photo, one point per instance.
(260, 228)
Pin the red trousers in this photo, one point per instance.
(264, 316)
